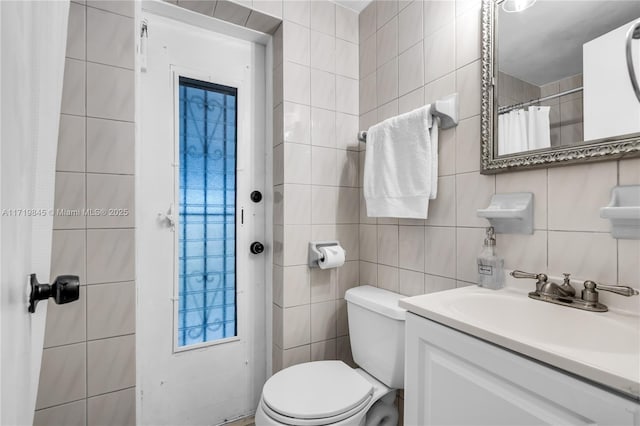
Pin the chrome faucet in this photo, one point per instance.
(547, 288)
(565, 294)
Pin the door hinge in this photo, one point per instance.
(144, 38)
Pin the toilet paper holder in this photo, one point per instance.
(315, 255)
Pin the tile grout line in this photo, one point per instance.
(86, 243)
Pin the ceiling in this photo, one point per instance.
(356, 5)
(543, 44)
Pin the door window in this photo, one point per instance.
(206, 212)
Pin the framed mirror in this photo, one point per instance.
(559, 82)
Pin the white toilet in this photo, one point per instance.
(331, 392)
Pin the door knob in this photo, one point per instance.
(256, 247)
(256, 196)
(65, 289)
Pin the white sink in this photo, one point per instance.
(603, 347)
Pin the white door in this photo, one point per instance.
(201, 292)
(32, 50)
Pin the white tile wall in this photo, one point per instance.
(73, 95)
(110, 146)
(323, 285)
(387, 82)
(298, 83)
(72, 414)
(295, 356)
(410, 25)
(109, 41)
(66, 323)
(110, 255)
(323, 17)
(113, 196)
(323, 51)
(71, 144)
(76, 42)
(296, 40)
(296, 123)
(385, 10)
(569, 234)
(110, 310)
(473, 192)
(231, 12)
(387, 42)
(315, 157)
(323, 89)
(577, 193)
(411, 69)
(346, 25)
(323, 127)
(116, 408)
(63, 377)
(440, 53)
(109, 92)
(70, 197)
(102, 356)
(297, 11)
(68, 253)
(447, 152)
(296, 326)
(323, 350)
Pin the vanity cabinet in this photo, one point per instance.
(452, 378)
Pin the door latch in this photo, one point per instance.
(167, 218)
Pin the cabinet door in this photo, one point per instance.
(455, 379)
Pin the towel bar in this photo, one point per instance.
(446, 109)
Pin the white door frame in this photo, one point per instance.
(171, 11)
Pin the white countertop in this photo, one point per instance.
(602, 347)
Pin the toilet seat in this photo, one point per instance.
(315, 393)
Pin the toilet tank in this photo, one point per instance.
(376, 332)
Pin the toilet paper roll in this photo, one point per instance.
(332, 257)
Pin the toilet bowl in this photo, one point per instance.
(331, 392)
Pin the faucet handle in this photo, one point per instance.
(521, 274)
(567, 277)
(541, 279)
(590, 293)
(622, 290)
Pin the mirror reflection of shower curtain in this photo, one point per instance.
(539, 128)
(512, 132)
(520, 130)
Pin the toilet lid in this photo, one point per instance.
(316, 390)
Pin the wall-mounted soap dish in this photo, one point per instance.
(624, 212)
(510, 213)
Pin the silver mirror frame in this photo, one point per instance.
(597, 150)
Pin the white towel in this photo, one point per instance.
(401, 165)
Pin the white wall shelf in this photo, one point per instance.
(510, 213)
(624, 212)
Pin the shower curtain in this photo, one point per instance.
(520, 130)
(538, 128)
(33, 38)
(512, 132)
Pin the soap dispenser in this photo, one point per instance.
(490, 266)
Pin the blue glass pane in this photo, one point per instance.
(206, 230)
